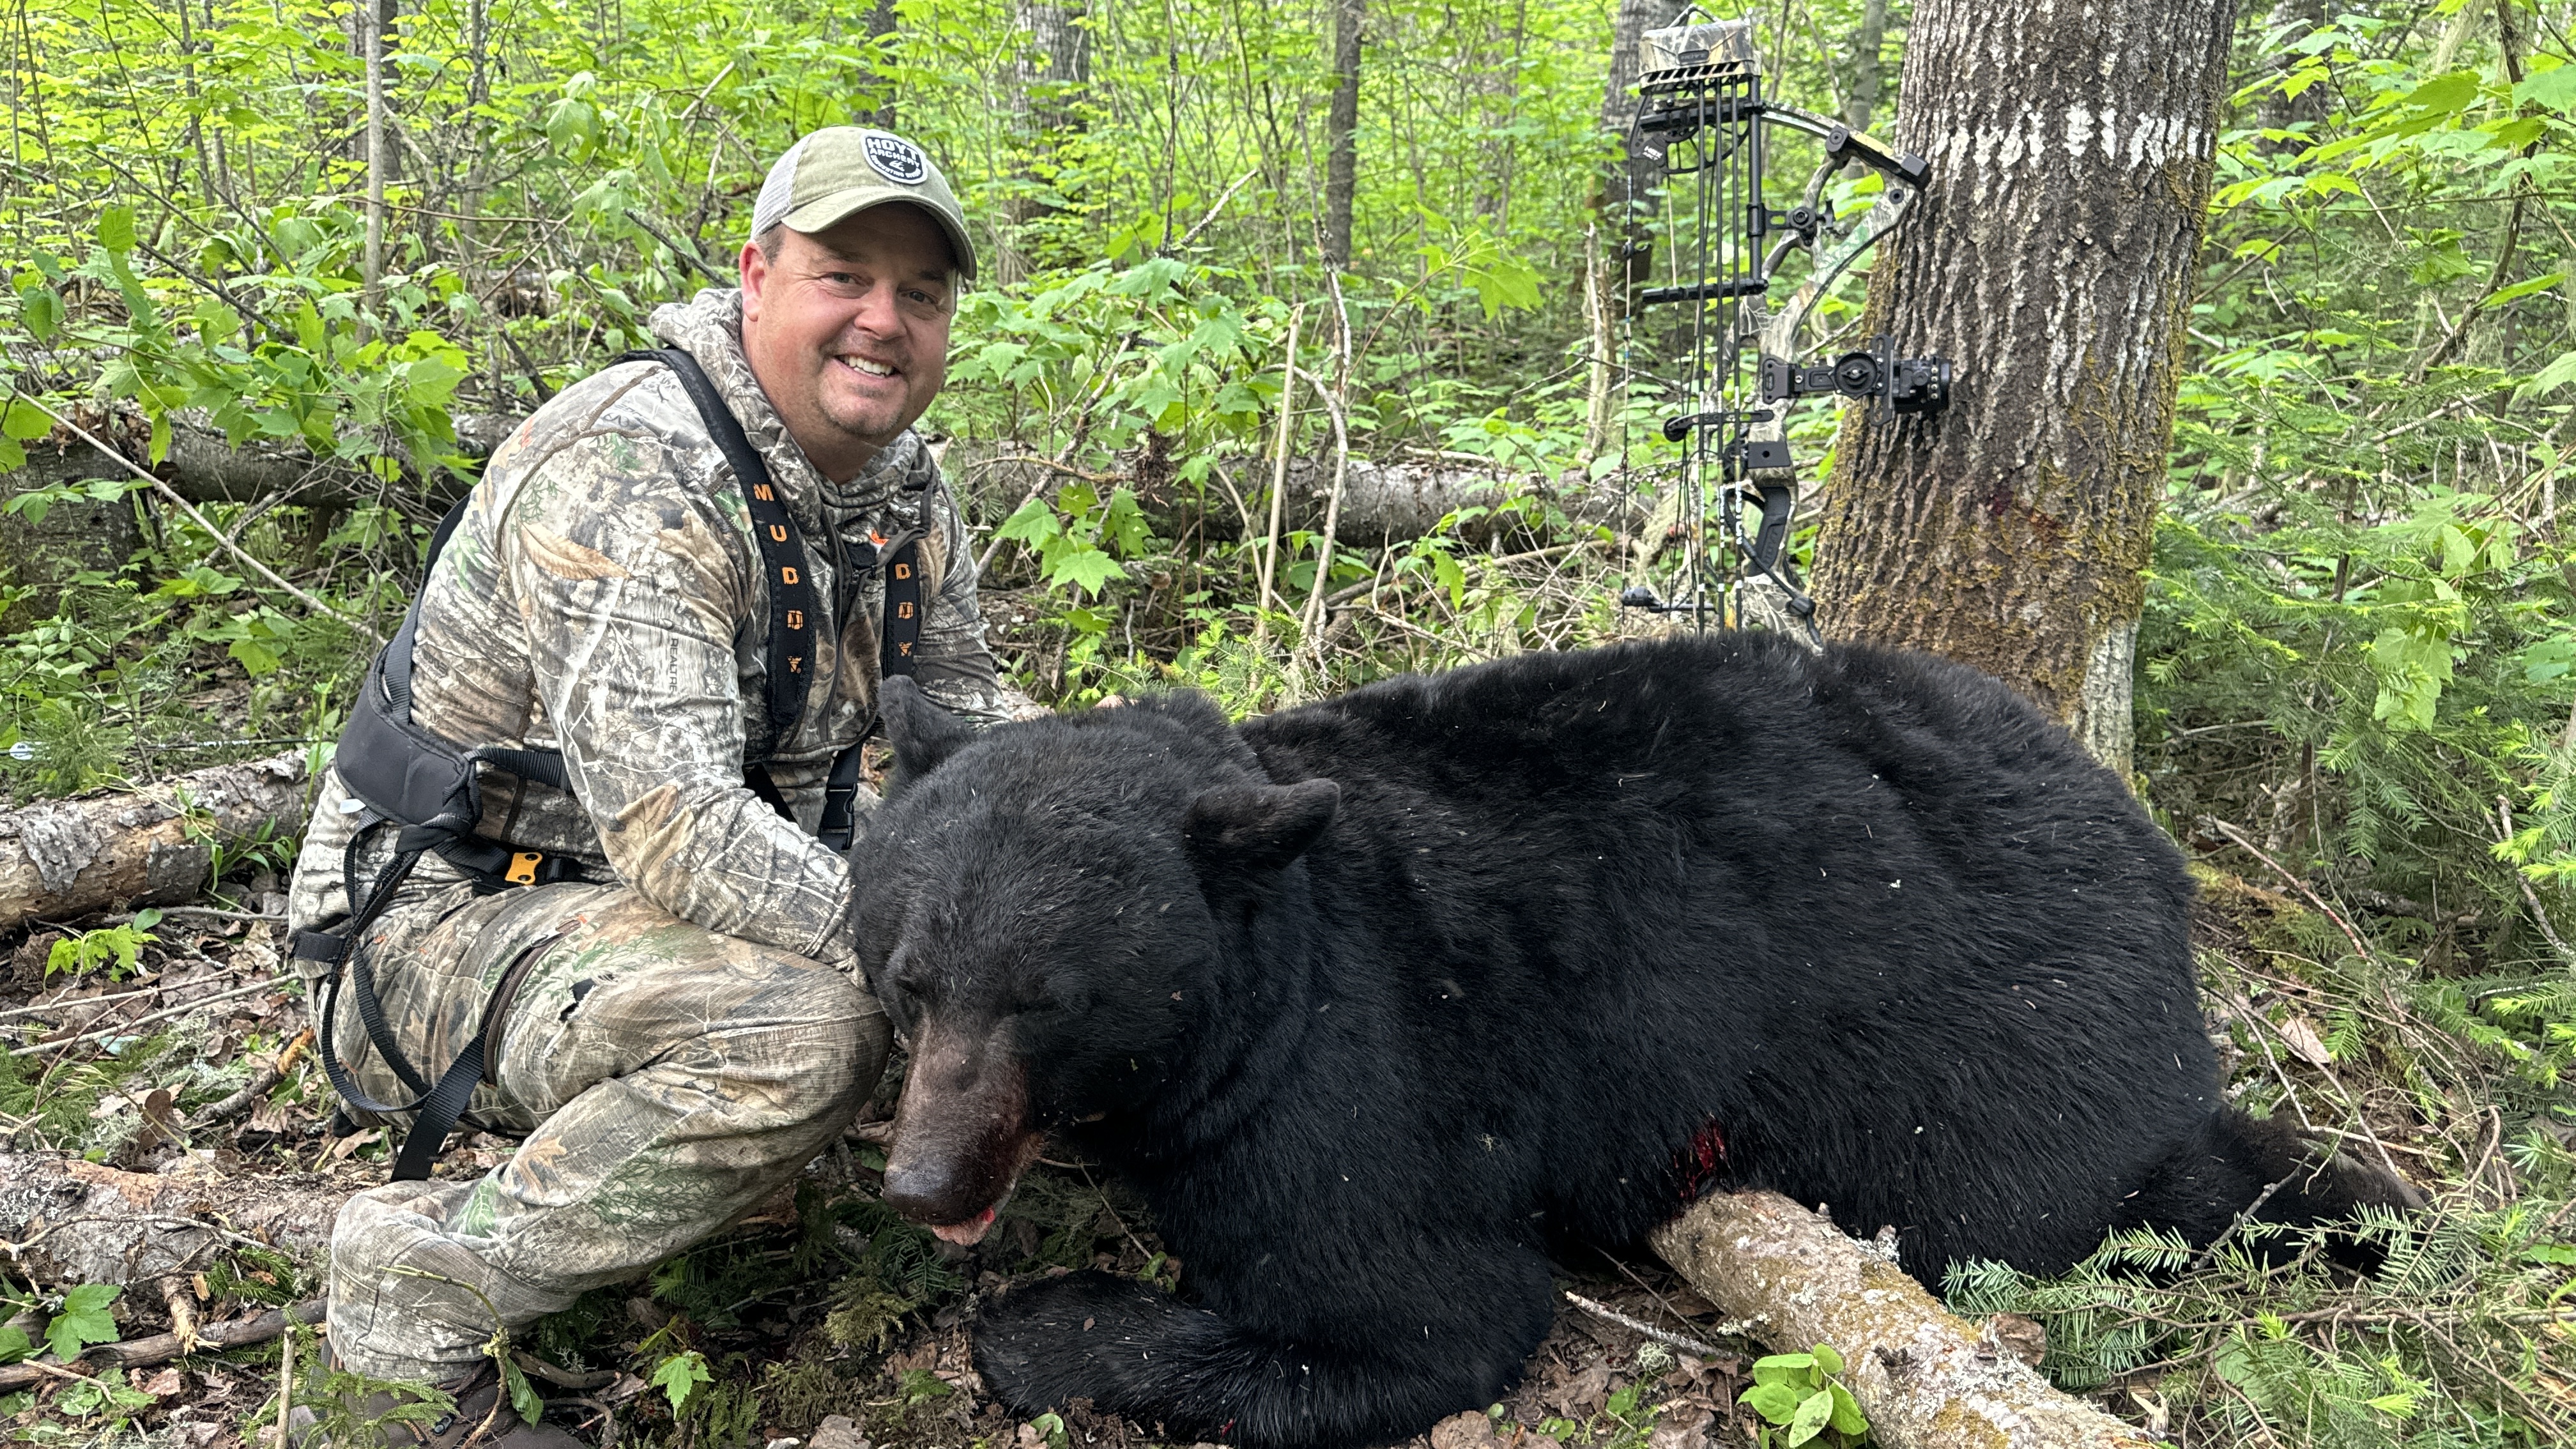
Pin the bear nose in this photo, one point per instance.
(925, 1189)
(960, 1131)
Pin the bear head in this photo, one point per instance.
(1045, 909)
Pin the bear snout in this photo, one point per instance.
(961, 1132)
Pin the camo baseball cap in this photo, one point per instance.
(839, 171)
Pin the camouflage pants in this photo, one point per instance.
(668, 1078)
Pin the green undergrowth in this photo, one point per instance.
(2466, 1335)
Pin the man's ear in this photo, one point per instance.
(1251, 828)
(923, 734)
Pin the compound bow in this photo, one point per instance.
(1700, 90)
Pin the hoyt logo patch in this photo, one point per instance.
(895, 159)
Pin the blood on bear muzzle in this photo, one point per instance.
(961, 1132)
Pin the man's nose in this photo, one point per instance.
(877, 313)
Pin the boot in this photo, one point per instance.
(481, 1419)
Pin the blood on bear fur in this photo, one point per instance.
(1381, 1000)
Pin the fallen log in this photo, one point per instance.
(1926, 1379)
(160, 1348)
(203, 466)
(152, 846)
(64, 1221)
(1382, 503)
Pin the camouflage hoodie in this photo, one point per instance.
(603, 596)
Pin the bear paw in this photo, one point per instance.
(1084, 1335)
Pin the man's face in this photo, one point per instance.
(847, 330)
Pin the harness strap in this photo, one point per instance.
(441, 1106)
(792, 606)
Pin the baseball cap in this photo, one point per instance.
(839, 171)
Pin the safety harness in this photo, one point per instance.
(407, 779)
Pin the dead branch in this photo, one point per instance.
(155, 845)
(163, 1347)
(1927, 1380)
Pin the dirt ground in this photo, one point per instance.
(820, 1321)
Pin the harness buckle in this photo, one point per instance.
(523, 867)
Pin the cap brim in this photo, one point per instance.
(825, 212)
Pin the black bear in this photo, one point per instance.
(1379, 1000)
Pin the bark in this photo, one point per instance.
(1926, 1379)
(1866, 72)
(1627, 186)
(68, 1221)
(373, 20)
(2292, 21)
(68, 857)
(1342, 132)
(2071, 153)
(1053, 70)
(882, 24)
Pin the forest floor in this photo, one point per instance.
(823, 1321)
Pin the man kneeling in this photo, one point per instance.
(642, 947)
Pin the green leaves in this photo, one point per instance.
(1798, 1396)
(84, 1320)
(679, 1376)
(116, 230)
(2553, 87)
(118, 947)
(1068, 537)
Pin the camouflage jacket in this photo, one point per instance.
(603, 596)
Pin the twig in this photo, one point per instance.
(163, 1347)
(286, 1383)
(126, 1028)
(2530, 897)
(171, 496)
(1278, 477)
(2202, 1258)
(1670, 1340)
(1312, 616)
(1192, 234)
(259, 1085)
(686, 254)
(42, 1007)
(2301, 886)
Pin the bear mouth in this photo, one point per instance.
(968, 1233)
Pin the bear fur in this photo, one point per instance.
(1382, 1000)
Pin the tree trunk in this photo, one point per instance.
(2071, 153)
(1926, 1380)
(1342, 132)
(68, 857)
(1053, 69)
(1866, 72)
(1627, 184)
(82, 1222)
(373, 19)
(882, 22)
(2292, 21)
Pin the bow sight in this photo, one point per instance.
(1700, 97)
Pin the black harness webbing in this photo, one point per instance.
(408, 777)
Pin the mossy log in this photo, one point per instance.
(1926, 1379)
(152, 846)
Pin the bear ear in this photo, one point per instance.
(923, 734)
(1259, 827)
